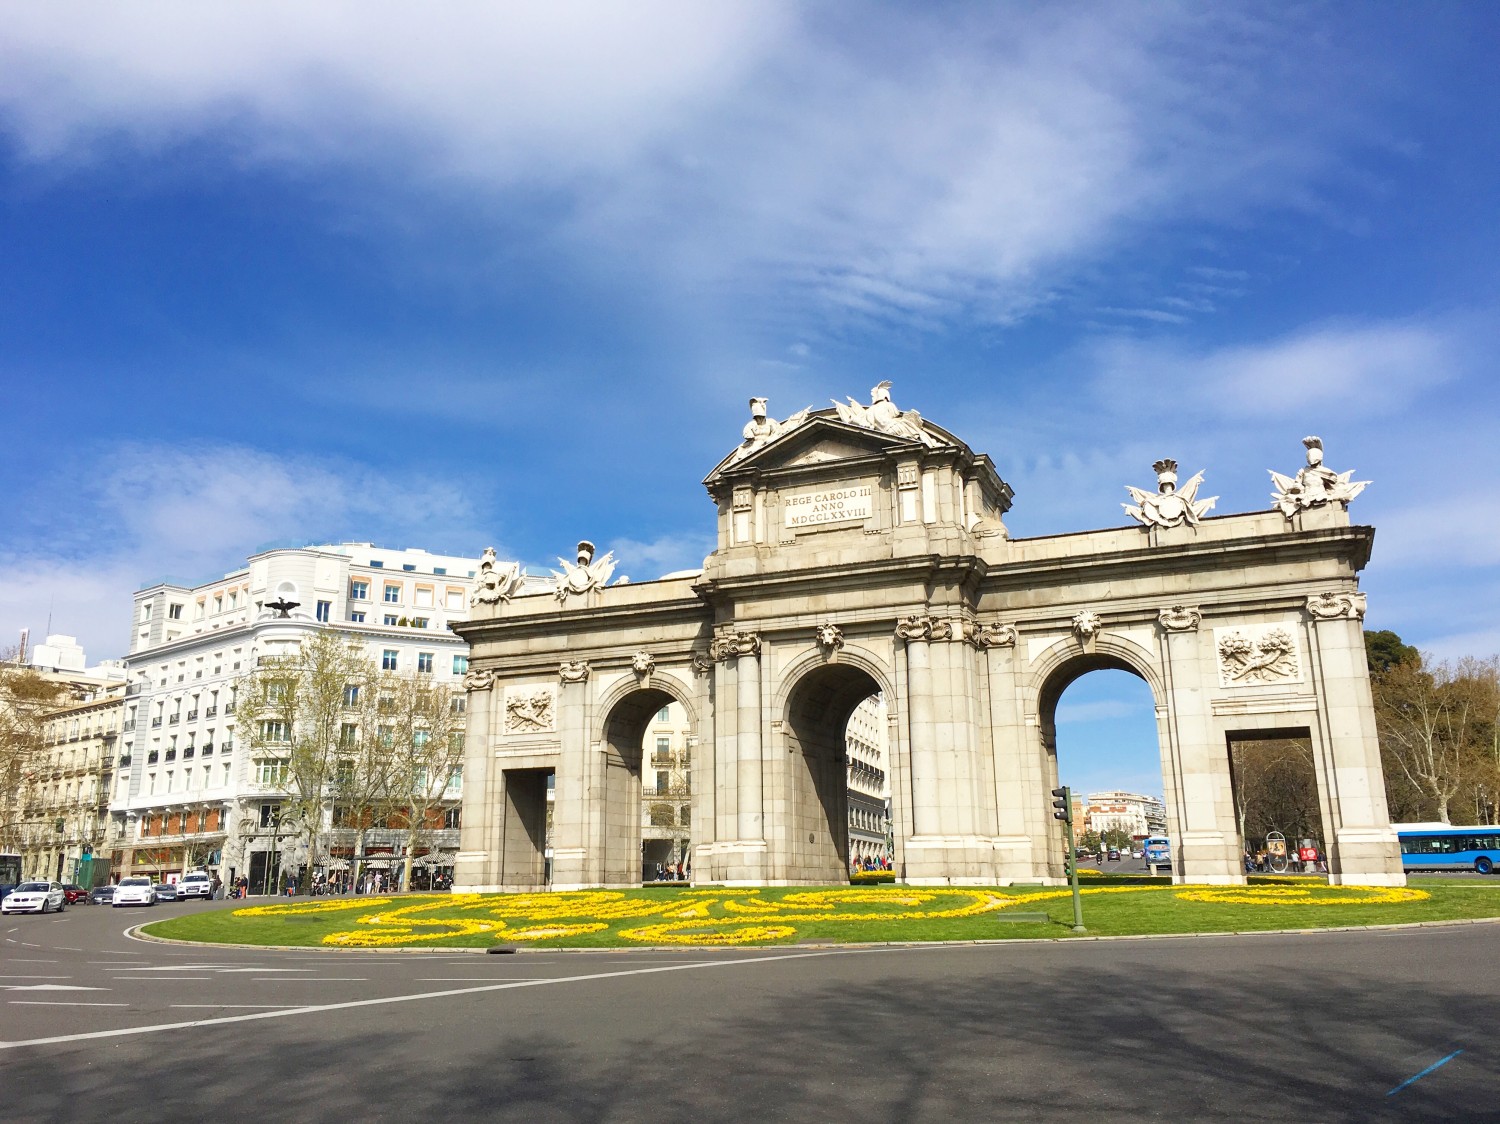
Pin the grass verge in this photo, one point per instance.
(711, 916)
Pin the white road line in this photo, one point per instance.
(65, 948)
(59, 1003)
(36, 977)
(19, 960)
(157, 979)
(124, 1032)
(320, 979)
(471, 979)
(236, 1006)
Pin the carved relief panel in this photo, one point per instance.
(530, 710)
(1258, 655)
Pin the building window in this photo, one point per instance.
(270, 815)
(270, 772)
(408, 567)
(420, 622)
(388, 659)
(424, 597)
(455, 601)
(393, 594)
(460, 664)
(440, 570)
(274, 730)
(359, 590)
(146, 612)
(424, 661)
(376, 564)
(325, 610)
(174, 612)
(452, 817)
(458, 704)
(390, 618)
(664, 714)
(351, 694)
(357, 618)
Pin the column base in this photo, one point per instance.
(1208, 858)
(734, 862)
(964, 860)
(1366, 856)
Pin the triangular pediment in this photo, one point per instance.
(818, 440)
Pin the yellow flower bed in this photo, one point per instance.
(739, 916)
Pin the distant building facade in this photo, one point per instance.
(667, 791)
(187, 792)
(1134, 814)
(869, 783)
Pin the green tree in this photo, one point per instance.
(421, 732)
(26, 698)
(292, 714)
(1384, 650)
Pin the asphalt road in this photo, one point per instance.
(1328, 1027)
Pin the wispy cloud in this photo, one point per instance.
(186, 514)
(645, 561)
(780, 144)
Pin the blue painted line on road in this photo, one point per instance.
(1414, 1078)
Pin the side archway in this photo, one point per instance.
(817, 700)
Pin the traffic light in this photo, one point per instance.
(1062, 804)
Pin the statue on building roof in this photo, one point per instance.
(882, 416)
(586, 574)
(1169, 506)
(1315, 484)
(494, 584)
(762, 429)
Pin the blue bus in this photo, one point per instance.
(10, 873)
(1157, 849)
(1440, 846)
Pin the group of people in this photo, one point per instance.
(668, 872)
(869, 862)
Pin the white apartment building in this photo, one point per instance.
(186, 793)
(1134, 814)
(66, 795)
(666, 791)
(869, 784)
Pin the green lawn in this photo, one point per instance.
(713, 916)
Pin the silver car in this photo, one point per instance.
(134, 891)
(35, 897)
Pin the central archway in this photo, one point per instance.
(814, 820)
(623, 746)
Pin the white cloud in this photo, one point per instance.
(188, 514)
(923, 164)
(1355, 369)
(646, 561)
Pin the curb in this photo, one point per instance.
(134, 933)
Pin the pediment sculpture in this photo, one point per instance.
(1315, 484)
(1168, 506)
(882, 416)
(585, 575)
(495, 584)
(762, 429)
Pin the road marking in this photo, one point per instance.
(181, 968)
(59, 1003)
(228, 1006)
(35, 978)
(320, 979)
(1414, 1078)
(49, 987)
(471, 979)
(157, 979)
(418, 996)
(65, 948)
(19, 960)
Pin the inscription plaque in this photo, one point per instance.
(837, 505)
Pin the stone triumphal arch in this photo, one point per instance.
(863, 549)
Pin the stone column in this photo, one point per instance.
(1021, 830)
(925, 818)
(1362, 847)
(577, 853)
(1195, 759)
(474, 867)
(748, 774)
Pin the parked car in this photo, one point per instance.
(195, 884)
(134, 891)
(35, 897)
(167, 892)
(101, 895)
(1114, 855)
(74, 893)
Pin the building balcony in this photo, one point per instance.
(192, 716)
(156, 723)
(173, 719)
(211, 712)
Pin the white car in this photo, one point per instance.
(195, 884)
(134, 891)
(35, 897)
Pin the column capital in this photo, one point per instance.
(923, 627)
(1180, 618)
(1333, 606)
(729, 645)
(574, 671)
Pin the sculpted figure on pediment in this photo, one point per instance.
(882, 416)
(762, 429)
(1315, 484)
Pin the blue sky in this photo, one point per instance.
(462, 274)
